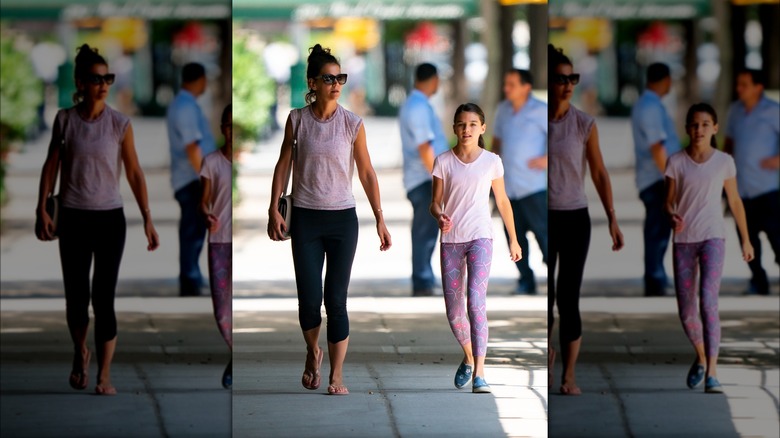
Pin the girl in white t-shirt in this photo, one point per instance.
(695, 179)
(462, 179)
(216, 175)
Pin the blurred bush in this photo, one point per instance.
(21, 92)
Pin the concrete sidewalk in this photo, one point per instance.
(167, 369)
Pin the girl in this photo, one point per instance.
(216, 176)
(573, 141)
(695, 179)
(89, 143)
(331, 141)
(462, 179)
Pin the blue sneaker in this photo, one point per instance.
(695, 375)
(463, 375)
(712, 386)
(480, 386)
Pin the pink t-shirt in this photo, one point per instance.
(466, 194)
(698, 188)
(219, 171)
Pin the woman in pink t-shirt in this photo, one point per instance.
(462, 179)
(216, 176)
(695, 179)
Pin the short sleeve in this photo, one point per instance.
(416, 122)
(730, 121)
(498, 168)
(499, 123)
(185, 121)
(206, 170)
(651, 124)
(437, 171)
(731, 168)
(670, 168)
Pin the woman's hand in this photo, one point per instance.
(212, 223)
(151, 236)
(617, 236)
(44, 226)
(747, 251)
(677, 223)
(445, 223)
(384, 236)
(276, 226)
(515, 252)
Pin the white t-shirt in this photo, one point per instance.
(698, 188)
(466, 194)
(219, 171)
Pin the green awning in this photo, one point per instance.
(155, 9)
(378, 9)
(630, 9)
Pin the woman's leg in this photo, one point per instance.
(711, 262)
(110, 230)
(340, 246)
(308, 258)
(76, 260)
(685, 263)
(573, 252)
(221, 279)
(556, 223)
(453, 271)
(479, 256)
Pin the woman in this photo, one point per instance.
(573, 142)
(462, 180)
(216, 176)
(695, 180)
(89, 143)
(330, 142)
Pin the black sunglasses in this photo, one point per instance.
(96, 79)
(330, 79)
(574, 79)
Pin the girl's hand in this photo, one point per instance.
(151, 236)
(617, 236)
(44, 226)
(677, 223)
(515, 252)
(747, 251)
(384, 236)
(276, 226)
(445, 223)
(212, 223)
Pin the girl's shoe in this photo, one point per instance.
(695, 375)
(463, 375)
(712, 386)
(480, 386)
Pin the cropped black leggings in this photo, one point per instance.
(568, 245)
(318, 235)
(86, 235)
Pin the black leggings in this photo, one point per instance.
(317, 235)
(568, 244)
(84, 235)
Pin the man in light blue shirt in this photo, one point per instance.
(190, 139)
(422, 139)
(520, 138)
(753, 138)
(655, 140)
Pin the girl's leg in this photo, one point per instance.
(110, 228)
(685, 264)
(221, 279)
(453, 270)
(573, 252)
(76, 260)
(479, 256)
(711, 262)
(340, 246)
(308, 259)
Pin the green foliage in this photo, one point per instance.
(253, 89)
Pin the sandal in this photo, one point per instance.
(79, 379)
(338, 390)
(314, 383)
(107, 390)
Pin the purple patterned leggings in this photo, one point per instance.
(221, 279)
(688, 259)
(456, 260)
